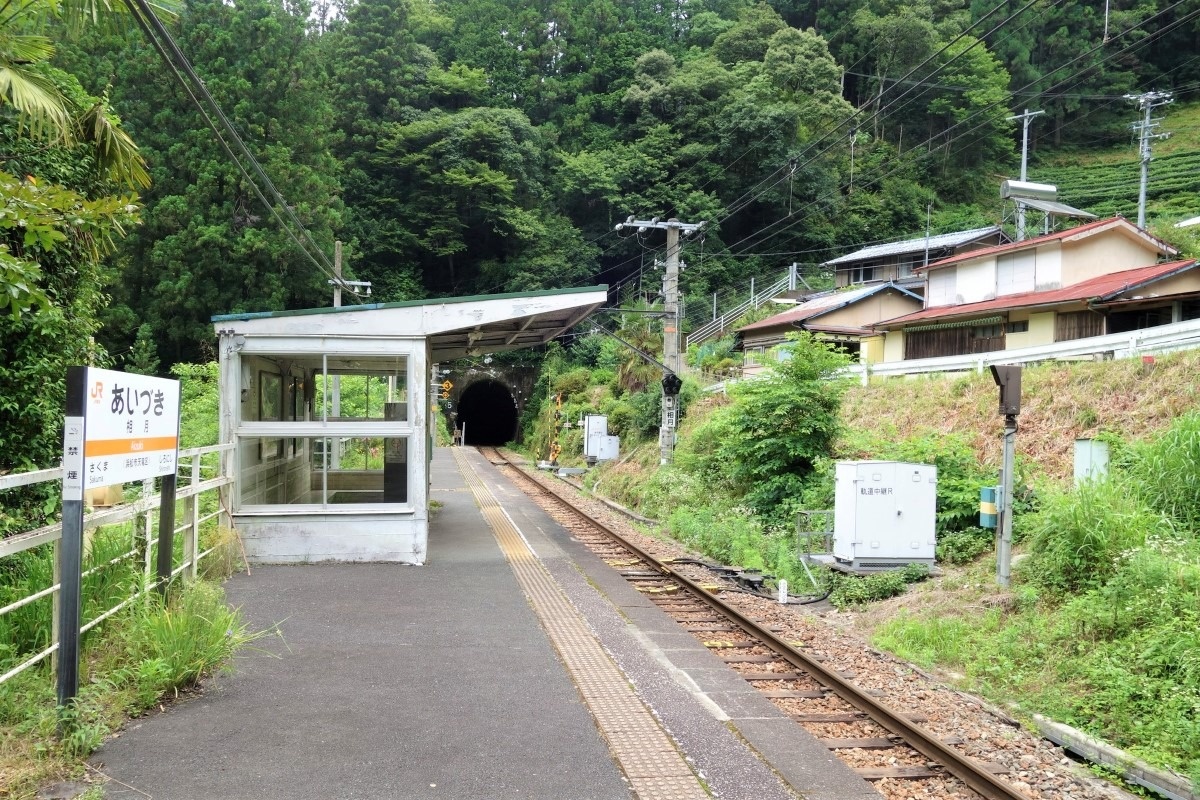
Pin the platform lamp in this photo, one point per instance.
(1008, 379)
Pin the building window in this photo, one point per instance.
(323, 432)
(987, 331)
(862, 274)
(1017, 327)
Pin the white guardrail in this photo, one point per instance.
(143, 541)
(1160, 339)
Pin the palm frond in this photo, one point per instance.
(37, 99)
(115, 150)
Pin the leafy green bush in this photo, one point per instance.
(852, 590)
(571, 383)
(1166, 471)
(199, 399)
(777, 429)
(963, 547)
(1077, 538)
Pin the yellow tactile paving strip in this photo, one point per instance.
(648, 757)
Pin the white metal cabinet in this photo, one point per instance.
(884, 513)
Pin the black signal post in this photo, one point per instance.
(1008, 378)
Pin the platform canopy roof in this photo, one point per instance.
(454, 326)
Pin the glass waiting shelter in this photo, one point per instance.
(329, 412)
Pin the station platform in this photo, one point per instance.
(514, 663)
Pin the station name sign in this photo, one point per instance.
(120, 427)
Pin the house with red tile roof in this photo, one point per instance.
(841, 317)
(1102, 277)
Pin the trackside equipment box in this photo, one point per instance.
(884, 514)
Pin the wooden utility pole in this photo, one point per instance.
(671, 354)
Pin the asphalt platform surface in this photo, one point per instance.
(391, 681)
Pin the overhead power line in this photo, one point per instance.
(185, 75)
(793, 219)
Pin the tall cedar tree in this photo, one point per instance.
(208, 245)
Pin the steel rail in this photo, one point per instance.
(965, 768)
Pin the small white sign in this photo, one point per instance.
(73, 458)
(131, 431)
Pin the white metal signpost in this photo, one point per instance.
(119, 427)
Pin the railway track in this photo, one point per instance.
(849, 720)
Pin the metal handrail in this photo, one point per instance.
(1159, 339)
(139, 508)
(718, 325)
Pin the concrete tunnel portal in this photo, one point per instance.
(489, 412)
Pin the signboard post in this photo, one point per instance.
(119, 427)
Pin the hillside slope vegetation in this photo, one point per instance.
(1061, 402)
(1099, 628)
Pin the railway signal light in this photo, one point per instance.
(671, 384)
(1008, 378)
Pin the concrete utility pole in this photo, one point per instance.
(671, 355)
(1025, 118)
(1147, 102)
(334, 459)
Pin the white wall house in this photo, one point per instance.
(1102, 277)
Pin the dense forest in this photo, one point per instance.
(474, 146)
(469, 146)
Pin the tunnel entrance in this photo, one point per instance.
(488, 410)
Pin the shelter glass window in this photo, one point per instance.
(361, 389)
(324, 433)
(326, 471)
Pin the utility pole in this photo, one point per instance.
(335, 458)
(1026, 118)
(671, 355)
(1147, 102)
(355, 287)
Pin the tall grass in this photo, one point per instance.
(1077, 539)
(146, 652)
(1166, 471)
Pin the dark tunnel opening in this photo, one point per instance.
(489, 412)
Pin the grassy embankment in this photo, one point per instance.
(1100, 627)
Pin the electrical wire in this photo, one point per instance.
(980, 112)
(156, 33)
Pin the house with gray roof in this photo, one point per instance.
(841, 317)
(900, 262)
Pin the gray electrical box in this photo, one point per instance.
(884, 514)
(1091, 460)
